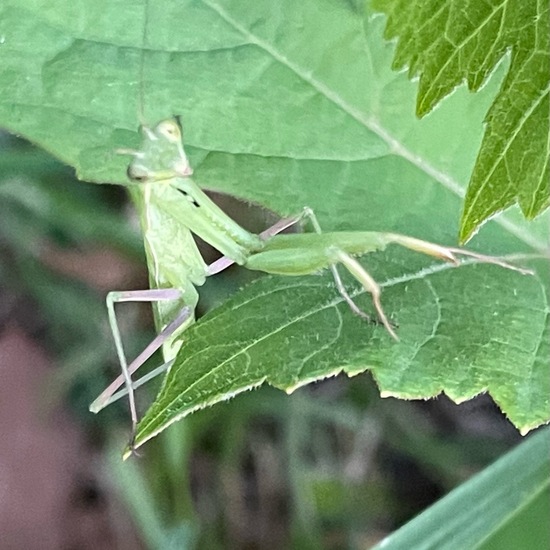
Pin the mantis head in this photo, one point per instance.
(161, 155)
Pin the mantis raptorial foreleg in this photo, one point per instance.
(284, 223)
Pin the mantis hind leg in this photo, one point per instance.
(309, 253)
(111, 395)
(153, 295)
(369, 284)
(366, 280)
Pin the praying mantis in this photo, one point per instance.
(161, 170)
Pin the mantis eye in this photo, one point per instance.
(170, 130)
(137, 173)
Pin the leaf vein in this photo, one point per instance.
(502, 154)
(368, 121)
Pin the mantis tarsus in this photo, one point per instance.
(162, 169)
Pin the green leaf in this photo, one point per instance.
(286, 107)
(488, 503)
(529, 528)
(462, 331)
(446, 42)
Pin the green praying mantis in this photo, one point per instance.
(162, 172)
